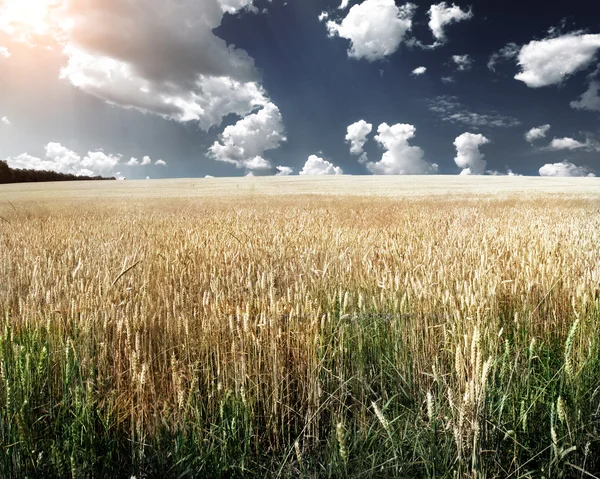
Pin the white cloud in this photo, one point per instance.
(399, 158)
(462, 62)
(63, 160)
(284, 171)
(161, 163)
(205, 99)
(133, 162)
(244, 143)
(441, 15)
(509, 172)
(468, 156)
(419, 71)
(537, 133)
(5, 121)
(318, 166)
(451, 110)
(232, 6)
(4, 52)
(590, 100)
(174, 64)
(344, 5)
(357, 136)
(375, 28)
(551, 61)
(146, 161)
(100, 162)
(511, 50)
(447, 80)
(323, 16)
(567, 143)
(565, 168)
(209, 176)
(28, 162)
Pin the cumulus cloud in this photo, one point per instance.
(551, 61)
(5, 121)
(357, 136)
(161, 163)
(537, 133)
(133, 162)
(590, 100)
(318, 166)
(375, 28)
(462, 62)
(399, 158)
(284, 171)
(146, 161)
(451, 110)
(323, 16)
(157, 57)
(4, 52)
(244, 143)
(63, 160)
(567, 143)
(564, 168)
(344, 5)
(100, 162)
(419, 71)
(468, 156)
(442, 15)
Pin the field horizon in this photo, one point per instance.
(367, 185)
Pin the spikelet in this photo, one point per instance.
(341, 439)
(569, 349)
(561, 410)
(430, 406)
(382, 420)
(299, 457)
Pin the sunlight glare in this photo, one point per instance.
(29, 20)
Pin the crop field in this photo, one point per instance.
(348, 327)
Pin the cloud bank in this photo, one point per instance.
(565, 168)
(63, 160)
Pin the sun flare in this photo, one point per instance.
(30, 20)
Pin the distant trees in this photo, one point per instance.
(10, 175)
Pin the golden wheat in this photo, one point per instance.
(183, 309)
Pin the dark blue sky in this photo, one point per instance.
(320, 91)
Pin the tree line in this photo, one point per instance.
(15, 175)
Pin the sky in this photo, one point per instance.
(184, 88)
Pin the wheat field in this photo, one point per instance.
(227, 331)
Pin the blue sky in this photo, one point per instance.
(232, 87)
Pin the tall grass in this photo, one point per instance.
(305, 337)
